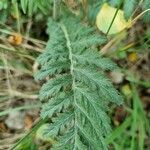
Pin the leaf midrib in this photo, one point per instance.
(68, 43)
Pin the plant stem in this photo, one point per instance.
(113, 18)
(56, 9)
(34, 129)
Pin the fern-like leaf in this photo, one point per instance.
(78, 91)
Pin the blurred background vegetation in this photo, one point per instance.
(23, 37)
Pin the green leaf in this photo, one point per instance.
(24, 5)
(54, 68)
(146, 5)
(129, 8)
(60, 122)
(53, 86)
(94, 58)
(77, 93)
(56, 105)
(115, 3)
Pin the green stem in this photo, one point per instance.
(56, 4)
(68, 43)
(17, 15)
(34, 129)
(113, 18)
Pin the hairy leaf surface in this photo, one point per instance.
(77, 94)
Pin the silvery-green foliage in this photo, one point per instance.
(77, 92)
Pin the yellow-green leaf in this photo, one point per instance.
(105, 17)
